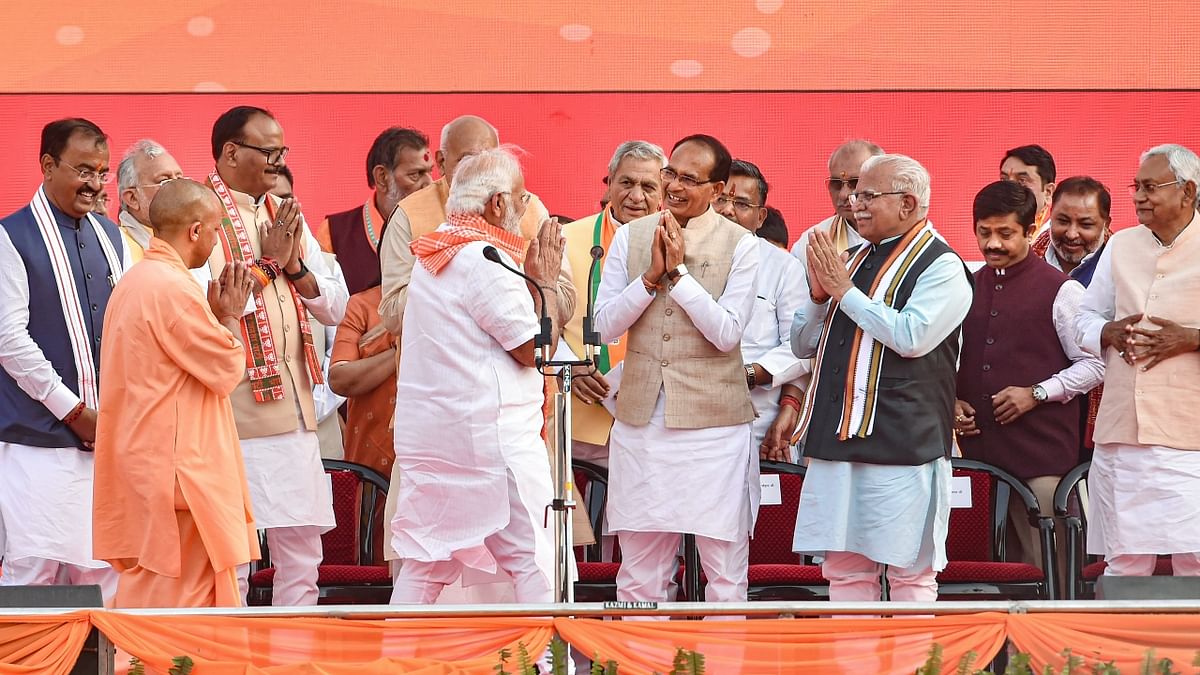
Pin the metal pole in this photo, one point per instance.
(565, 484)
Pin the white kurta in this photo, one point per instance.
(32, 526)
(768, 337)
(699, 481)
(470, 414)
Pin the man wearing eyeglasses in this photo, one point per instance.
(845, 164)
(681, 283)
(145, 168)
(771, 368)
(57, 256)
(884, 329)
(1141, 314)
(634, 190)
(273, 406)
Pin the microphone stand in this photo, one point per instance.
(563, 475)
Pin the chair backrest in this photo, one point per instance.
(971, 529)
(359, 494)
(776, 525)
(592, 482)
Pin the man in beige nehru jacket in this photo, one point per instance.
(1141, 314)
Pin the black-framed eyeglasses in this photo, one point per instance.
(1147, 187)
(836, 184)
(274, 155)
(868, 196)
(87, 175)
(669, 175)
(742, 205)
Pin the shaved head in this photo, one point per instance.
(462, 137)
(187, 215)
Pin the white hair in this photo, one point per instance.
(478, 177)
(1183, 162)
(458, 120)
(637, 150)
(908, 176)
(127, 170)
(856, 144)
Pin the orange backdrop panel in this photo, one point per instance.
(799, 645)
(46, 645)
(533, 45)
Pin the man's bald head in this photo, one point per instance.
(187, 215)
(462, 137)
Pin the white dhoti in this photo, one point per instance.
(666, 482)
(1145, 501)
(46, 518)
(292, 500)
(888, 515)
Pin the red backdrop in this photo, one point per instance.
(959, 136)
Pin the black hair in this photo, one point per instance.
(773, 228)
(57, 134)
(1003, 198)
(723, 160)
(1086, 185)
(1035, 156)
(388, 144)
(741, 167)
(230, 125)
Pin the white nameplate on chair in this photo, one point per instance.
(770, 489)
(960, 492)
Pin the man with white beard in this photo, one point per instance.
(474, 475)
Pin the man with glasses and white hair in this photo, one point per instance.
(475, 473)
(681, 284)
(884, 329)
(767, 344)
(1142, 311)
(634, 190)
(145, 167)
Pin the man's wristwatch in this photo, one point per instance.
(675, 274)
(1039, 393)
(298, 275)
(751, 377)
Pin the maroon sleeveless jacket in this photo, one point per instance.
(1009, 340)
(359, 260)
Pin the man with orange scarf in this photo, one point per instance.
(471, 395)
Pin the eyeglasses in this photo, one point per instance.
(868, 196)
(524, 196)
(88, 175)
(274, 155)
(739, 204)
(1148, 188)
(161, 182)
(836, 184)
(669, 175)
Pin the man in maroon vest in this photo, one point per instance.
(1021, 374)
(398, 165)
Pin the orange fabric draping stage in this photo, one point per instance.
(218, 644)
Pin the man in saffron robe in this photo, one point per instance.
(171, 506)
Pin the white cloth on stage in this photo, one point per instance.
(288, 484)
(46, 504)
(767, 339)
(472, 415)
(895, 515)
(1144, 500)
(681, 480)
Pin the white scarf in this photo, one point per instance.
(866, 354)
(68, 293)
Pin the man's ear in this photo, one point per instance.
(379, 177)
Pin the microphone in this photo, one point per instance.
(591, 337)
(542, 339)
